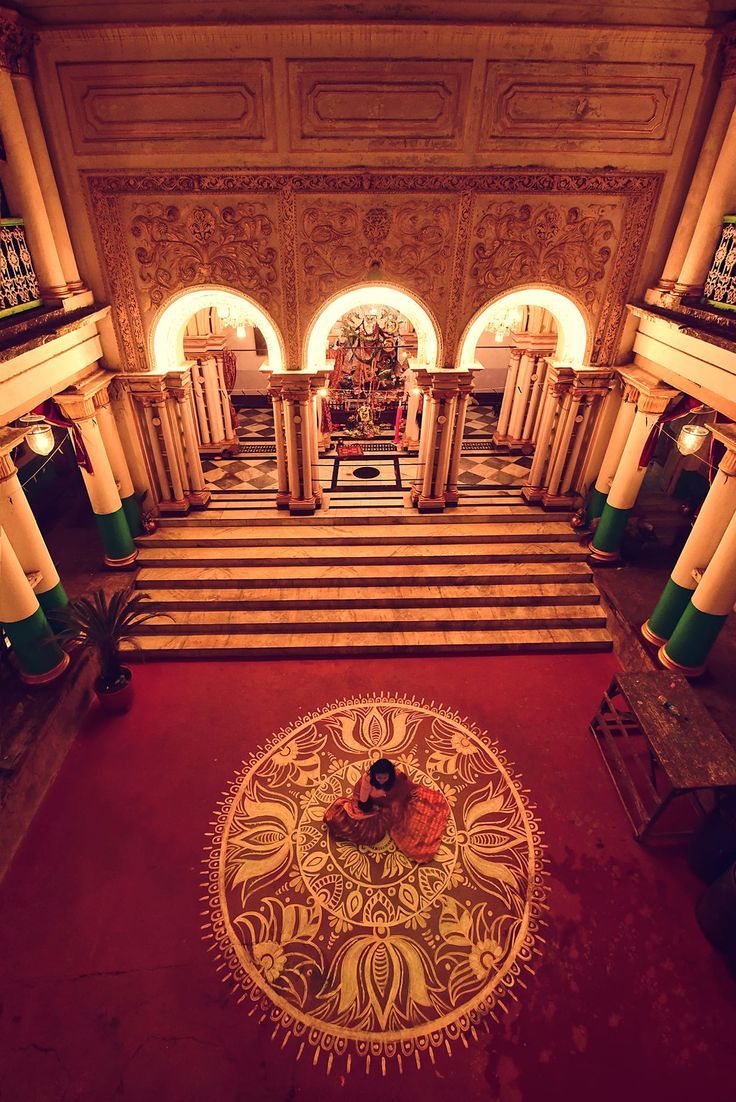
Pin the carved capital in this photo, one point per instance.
(16, 43)
(76, 406)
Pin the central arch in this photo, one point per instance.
(573, 337)
(429, 338)
(166, 341)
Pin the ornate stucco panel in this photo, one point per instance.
(565, 243)
(410, 239)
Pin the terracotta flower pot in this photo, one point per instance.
(117, 698)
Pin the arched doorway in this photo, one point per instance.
(220, 344)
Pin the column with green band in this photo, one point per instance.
(614, 450)
(707, 532)
(16, 517)
(38, 655)
(112, 523)
(697, 629)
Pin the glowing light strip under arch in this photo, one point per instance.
(370, 294)
(572, 331)
(167, 333)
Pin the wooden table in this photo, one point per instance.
(660, 744)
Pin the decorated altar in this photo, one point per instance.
(371, 349)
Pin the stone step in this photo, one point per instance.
(542, 548)
(177, 576)
(236, 517)
(347, 535)
(385, 596)
(330, 644)
(221, 621)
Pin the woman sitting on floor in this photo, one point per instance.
(385, 801)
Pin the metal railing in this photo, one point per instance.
(18, 283)
(720, 286)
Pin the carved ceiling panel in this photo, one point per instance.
(619, 107)
(372, 104)
(169, 102)
(456, 240)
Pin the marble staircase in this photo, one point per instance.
(494, 575)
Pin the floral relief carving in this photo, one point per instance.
(185, 246)
(411, 242)
(569, 247)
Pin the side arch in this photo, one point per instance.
(573, 332)
(166, 338)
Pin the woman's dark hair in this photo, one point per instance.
(383, 765)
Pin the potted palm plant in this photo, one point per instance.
(103, 623)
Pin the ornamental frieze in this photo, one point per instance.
(455, 239)
(566, 247)
(179, 246)
(411, 242)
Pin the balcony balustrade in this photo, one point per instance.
(720, 286)
(18, 283)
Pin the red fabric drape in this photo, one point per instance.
(683, 405)
(51, 413)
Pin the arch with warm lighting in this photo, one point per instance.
(429, 338)
(572, 327)
(166, 340)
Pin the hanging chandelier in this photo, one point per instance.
(502, 322)
(39, 434)
(233, 318)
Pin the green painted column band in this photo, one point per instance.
(596, 503)
(670, 607)
(691, 641)
(132, 511)
(33, 644)
(116, 537)
(610, 531)
(52, 600)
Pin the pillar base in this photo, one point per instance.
(409, 444)
(50, 675)
(532, 493)
(604, 556)
(302, 508)
(526, 447)
(559, 501)
(501, 441)
(178, 507)
(219, 446)
(121, 564)
(283, 499)
(199, 499)
(431, 504)
(670, 664)
(652, 637)
(452, 497)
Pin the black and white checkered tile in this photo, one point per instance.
(255, 424)
(236, 474)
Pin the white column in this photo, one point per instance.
(720, 199)
(30, 196)
(16, 517)
(39, 150)
(452, 494)
(40, 659)
(502, 427)
(521, 397)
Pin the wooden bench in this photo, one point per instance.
(660, 745)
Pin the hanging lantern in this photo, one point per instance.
(691, 438)
(39, 434)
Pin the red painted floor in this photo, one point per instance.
(108, 992)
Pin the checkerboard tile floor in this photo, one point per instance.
(254, 468)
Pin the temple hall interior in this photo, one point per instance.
(367, 551)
